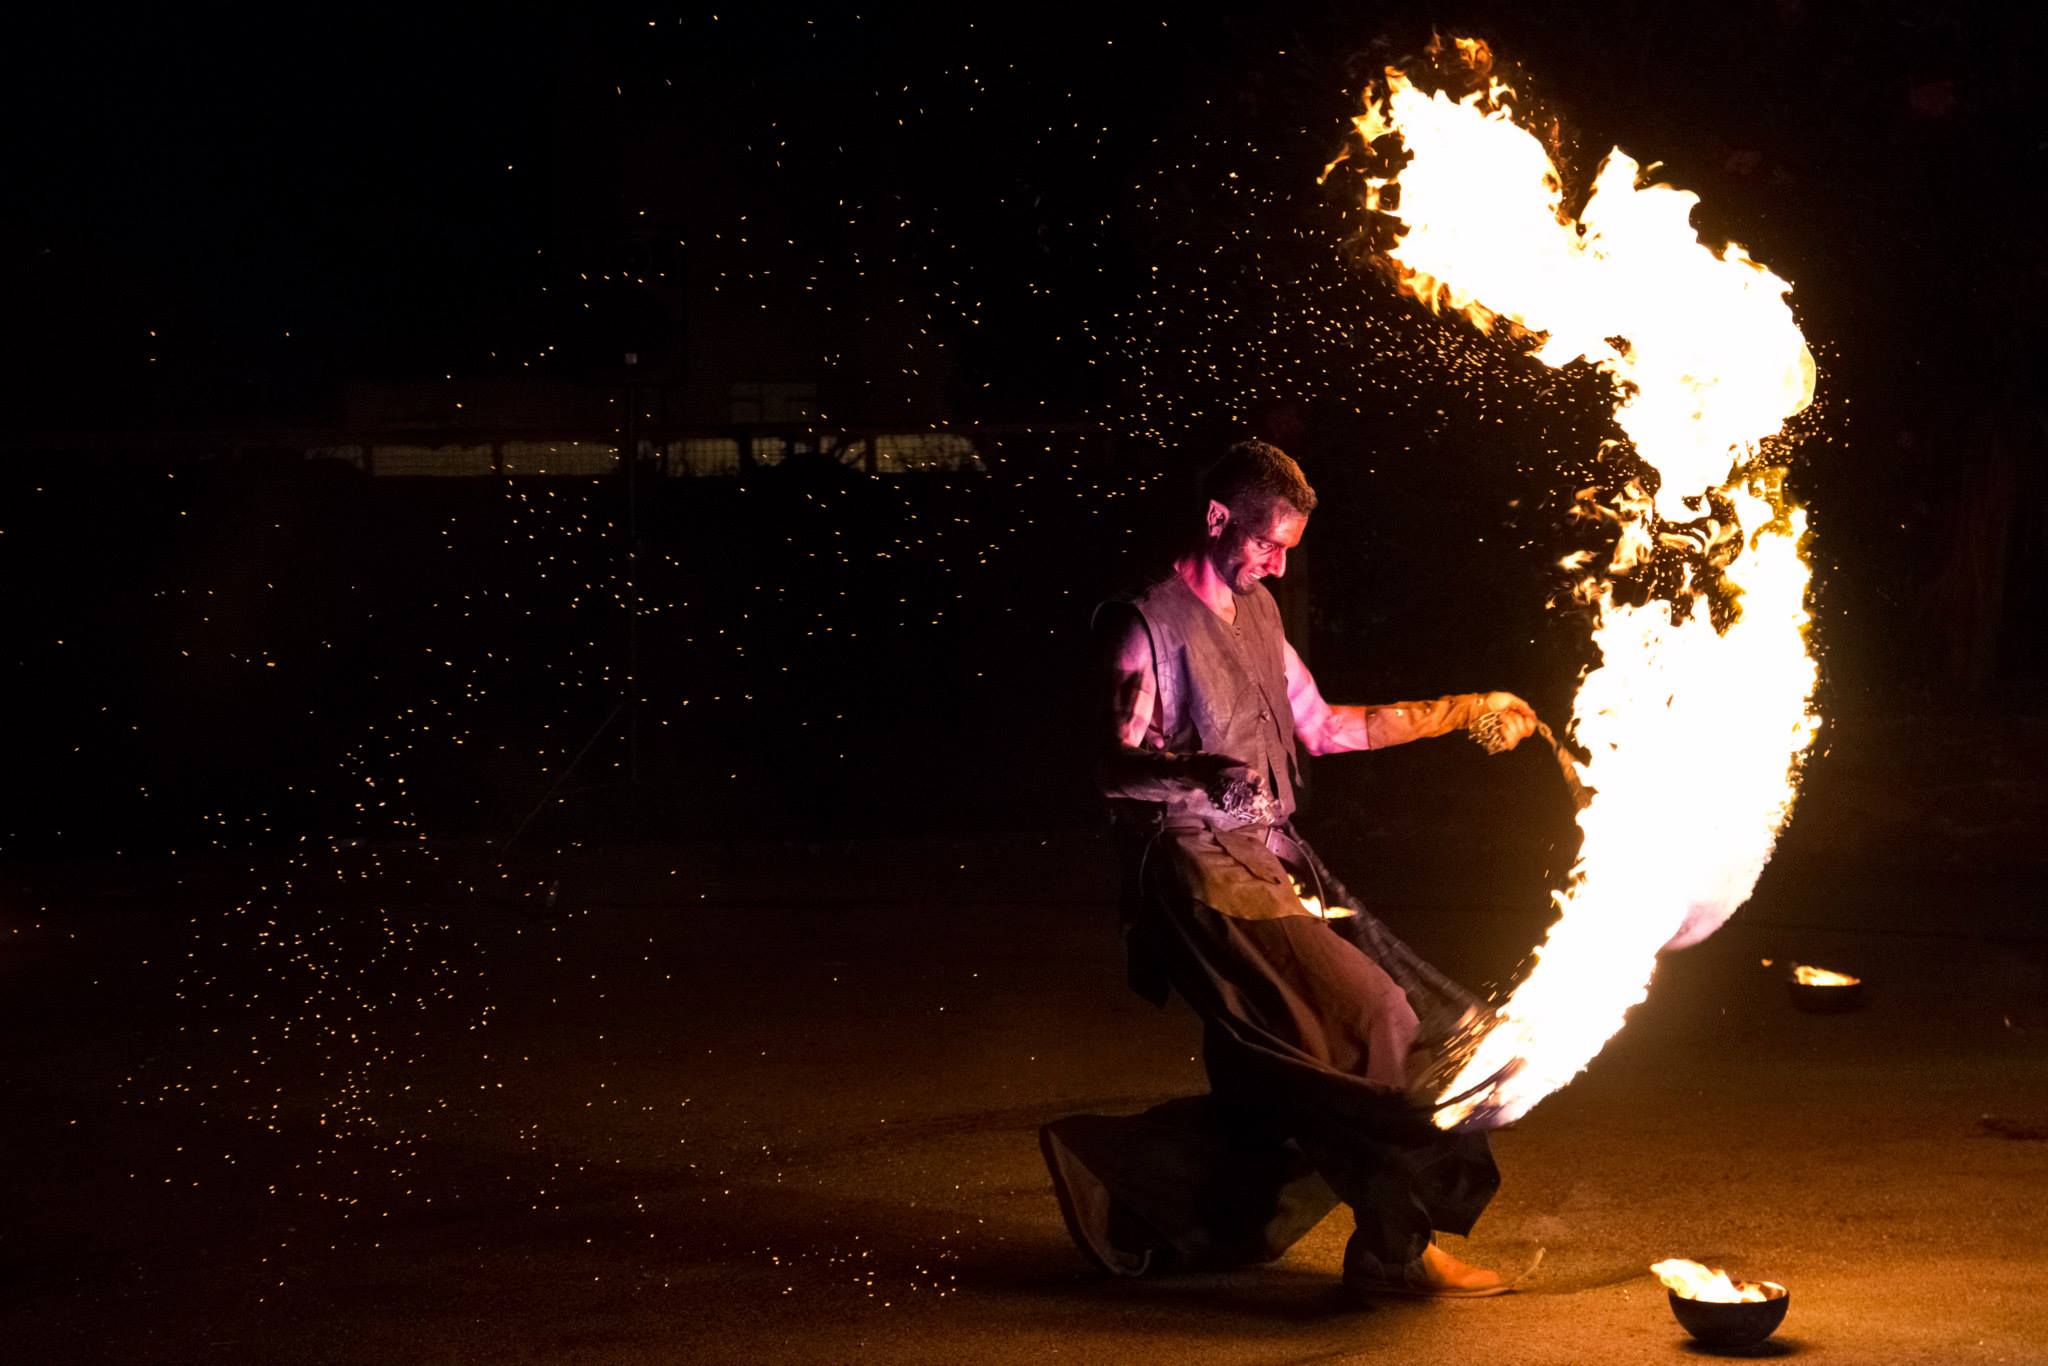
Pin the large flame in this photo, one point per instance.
(1694, 732)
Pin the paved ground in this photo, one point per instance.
(778, 1104)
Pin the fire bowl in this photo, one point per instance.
(1732, 1326)
(1825, 1000)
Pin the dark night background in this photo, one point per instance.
(464, 898)
(1094, 240)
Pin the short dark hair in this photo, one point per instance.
(1253, 477)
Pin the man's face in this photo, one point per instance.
(1244, 552)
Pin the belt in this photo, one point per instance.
(1279, 840)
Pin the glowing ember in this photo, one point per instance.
(1696, 1282)
(1694, 728)
(1314, 906)
(1821, 977)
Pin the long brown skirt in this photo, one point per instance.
(1308, 1046)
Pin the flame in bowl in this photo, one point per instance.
(1709, 1284)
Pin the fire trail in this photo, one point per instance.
(1700, 708)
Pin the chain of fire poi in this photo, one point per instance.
(1695, 727)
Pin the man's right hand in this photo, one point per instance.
(1234, 790)
(1213, 772)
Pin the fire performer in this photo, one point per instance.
(1317, 1025)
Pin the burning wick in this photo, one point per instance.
(1712, 1285)
(1821, 977)
(1486, 732)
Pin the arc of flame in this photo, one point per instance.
(1694, 733)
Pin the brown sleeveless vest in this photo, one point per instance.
(1222, 687)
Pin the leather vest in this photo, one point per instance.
(1222, 686)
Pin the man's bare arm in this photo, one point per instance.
(1327, 729)
(1127, 767)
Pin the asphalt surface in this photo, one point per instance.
(778, 1103)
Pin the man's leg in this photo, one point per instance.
(1436, 1274)
(1104, 1228)
(1306, 1028)
(1186, 1184)
(1392, 1249)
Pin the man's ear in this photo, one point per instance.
(1218, 518)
